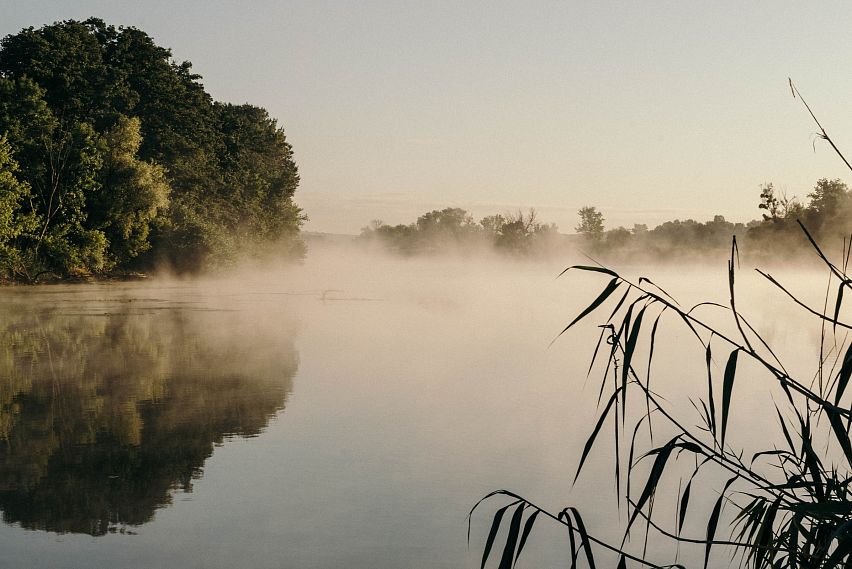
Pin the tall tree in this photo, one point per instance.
(133, 193)
(591, 225)
(14, 222)
(827, 196)
(60, 162)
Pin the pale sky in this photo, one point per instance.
(648, 110)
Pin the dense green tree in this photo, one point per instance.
(64, 243)
(60, 161)
(93, 72)
(248, 207)
(14, 223)
(142, 164)
(133, 192)
(66, 61)
(260, 176)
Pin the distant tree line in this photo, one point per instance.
(517, 233)
(114, 157)
(827, 214)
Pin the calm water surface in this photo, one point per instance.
(347, 413)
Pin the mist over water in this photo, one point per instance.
(346, 412)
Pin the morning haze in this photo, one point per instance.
(436, 284)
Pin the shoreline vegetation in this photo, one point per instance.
(827, 214)
(115, 161)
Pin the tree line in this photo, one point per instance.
(113, 157)
(451, 228)
(826, 214)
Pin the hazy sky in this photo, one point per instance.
(647, 110)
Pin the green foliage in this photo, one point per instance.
(14, 223)
(131, 162)
(62, 182)
(132, 194)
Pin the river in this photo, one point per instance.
(345, 413)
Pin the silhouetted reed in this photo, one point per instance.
(792, 502)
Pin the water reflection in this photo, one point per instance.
(109, 406)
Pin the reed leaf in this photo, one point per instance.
(843, 375)
(492, 534)
(508, 557)
(590, 442)
(727, 390)
(528, 526)
(713, 521)
(610, 288)
(662, 456)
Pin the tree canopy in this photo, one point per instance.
(120, 159)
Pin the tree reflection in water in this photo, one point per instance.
(103, 416)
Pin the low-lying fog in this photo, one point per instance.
(343, 413)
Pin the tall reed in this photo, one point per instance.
(790, 505)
